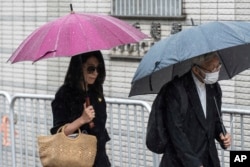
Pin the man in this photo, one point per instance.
(192, 133)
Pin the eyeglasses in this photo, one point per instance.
(92, 69)
(210, 71)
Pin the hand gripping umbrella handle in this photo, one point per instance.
(91, 124)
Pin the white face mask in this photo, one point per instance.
(211, 78)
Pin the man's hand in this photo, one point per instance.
(226, 140)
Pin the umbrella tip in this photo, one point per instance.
(71, 8)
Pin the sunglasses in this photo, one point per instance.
(92, 69)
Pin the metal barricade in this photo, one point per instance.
(5, 137)
(34, 117)
(236, 121)
(126, 124)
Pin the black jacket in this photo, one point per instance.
(192, 136)
(68, 106)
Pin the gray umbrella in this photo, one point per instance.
(173, 56)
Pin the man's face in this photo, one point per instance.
(212, 65)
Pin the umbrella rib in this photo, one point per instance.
(231, 30)
(150, 76)
(55, 46)
(84, 36)
(109, 28)
(117, 35)
(224, 64)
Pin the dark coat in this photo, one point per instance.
(68, 106)
(192, 136)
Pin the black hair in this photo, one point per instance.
(74, 77)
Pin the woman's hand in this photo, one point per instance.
(87, 116)
(88, 113)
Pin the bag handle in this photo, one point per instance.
(62, 131)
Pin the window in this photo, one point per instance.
(147, 8)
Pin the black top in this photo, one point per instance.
(68, 106)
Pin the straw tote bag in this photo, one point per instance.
(59, 150)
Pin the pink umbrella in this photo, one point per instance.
(73, 34)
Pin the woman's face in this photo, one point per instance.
(90, 70)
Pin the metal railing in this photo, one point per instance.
(236, 121)
(34, 118)
(126, 124)
(5, 151)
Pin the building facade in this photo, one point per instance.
(156, 18)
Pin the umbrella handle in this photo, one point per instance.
(91, 124)
(221, 122)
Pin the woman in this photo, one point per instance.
(84, 79)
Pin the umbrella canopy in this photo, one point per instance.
(76, 33)
(173, 55)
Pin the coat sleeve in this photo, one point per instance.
(174, 123)
(59, 110)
